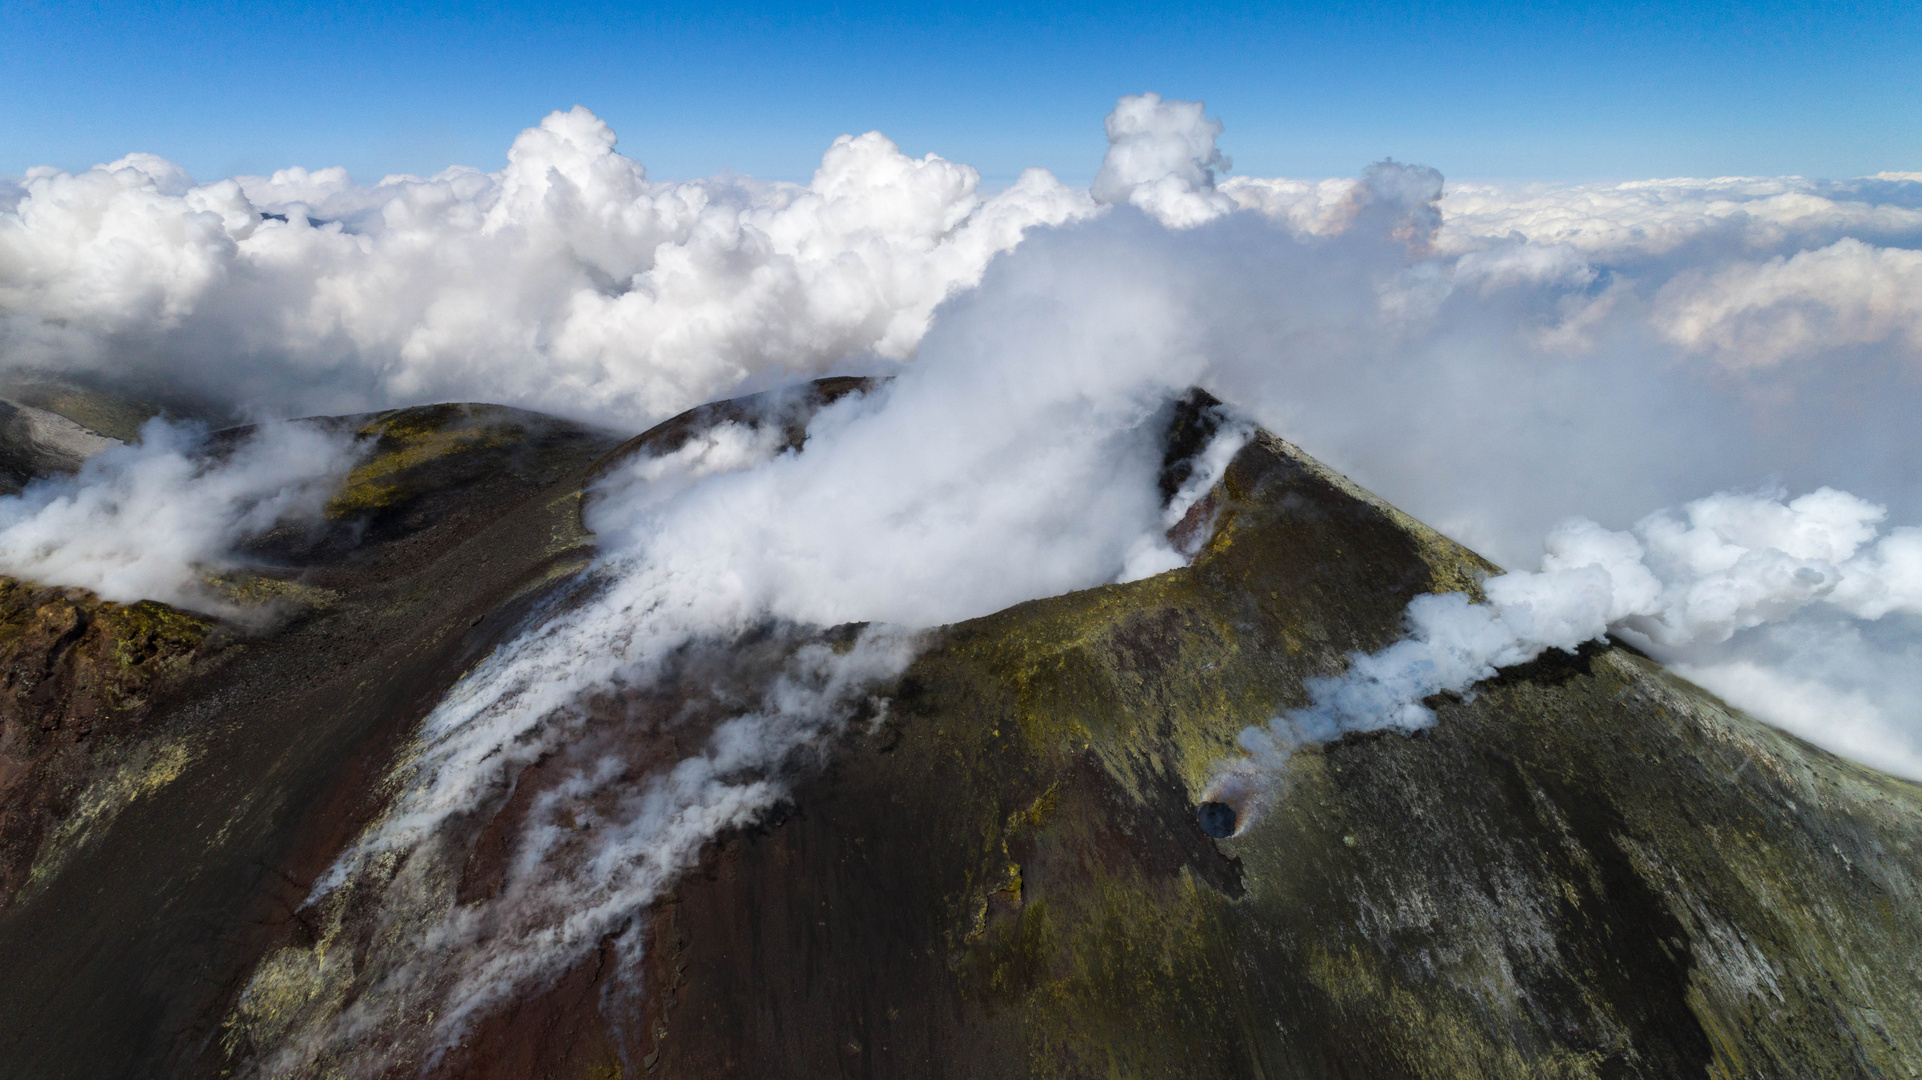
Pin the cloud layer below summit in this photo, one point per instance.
(573, 282)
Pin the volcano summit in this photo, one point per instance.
(971, 850)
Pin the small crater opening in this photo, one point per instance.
(1217, 819)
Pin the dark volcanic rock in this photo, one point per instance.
(790, 409)
(1590, 868)
(36, 442)
(79, 679)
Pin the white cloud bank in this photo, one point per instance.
(568, 281)
(1798, 306)
(572, 282)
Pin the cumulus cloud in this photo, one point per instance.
(154, 519)
(568, 281)
(1162, 159)
(572, 281)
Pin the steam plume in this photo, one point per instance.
(153, 520)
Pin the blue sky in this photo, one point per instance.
(1531, 91)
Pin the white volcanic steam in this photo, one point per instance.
(1492, 360)
(1725, 564)
(151, 521)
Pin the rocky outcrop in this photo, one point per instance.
(79, 679)
(36, 442)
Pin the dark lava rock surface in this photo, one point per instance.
(1589, 869)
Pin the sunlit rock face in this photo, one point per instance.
(1009, 862)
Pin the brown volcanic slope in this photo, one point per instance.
(1590, 869)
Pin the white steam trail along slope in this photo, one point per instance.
(1491, 359)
